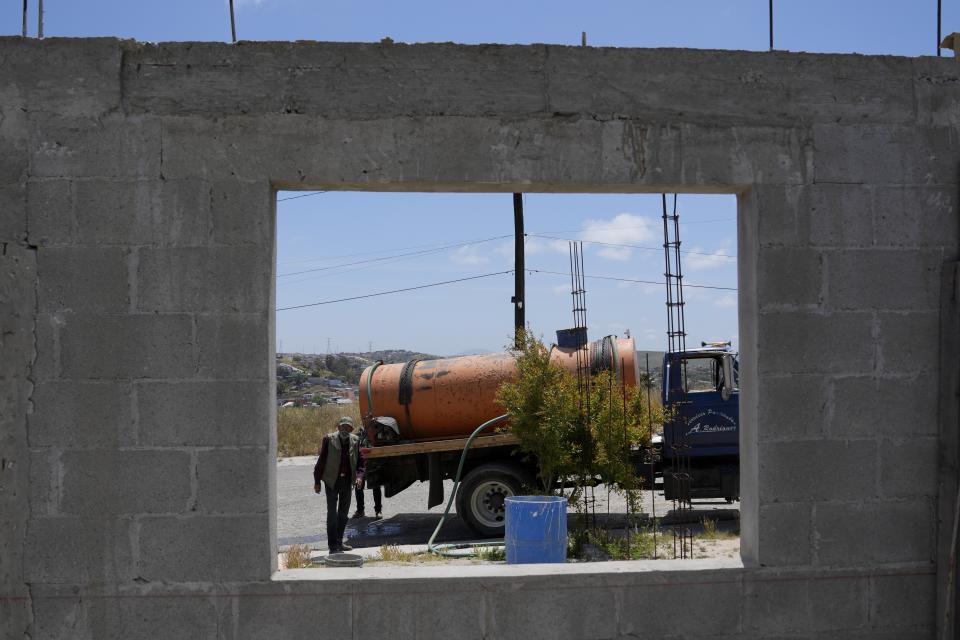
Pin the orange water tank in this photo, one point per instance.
(450, 397)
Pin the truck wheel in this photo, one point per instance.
(481, 495)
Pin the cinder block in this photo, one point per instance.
(909, 342)
(537, 612)
(77, 81)
(782, 213)
(789, 276)
(205, 413)
(18, 273)
(49, 211)
(143, 212)
(14, 160)
(817, 470)
(785, 533)
(83, 279)
(883, 154)
(75, 550)
(872, 533)
(899, 407)
(632, 153)
(59, 614)
(916, 216)
(681, 607)
(936, 91)
(114, 145)
(903, 601)
(118, 482)
(17, 613)
(909, 469)
(69, 414)
(13, 529)
(299, 609)
(44, 481)
(13, 212)
(793, 406)
(205, 548)
(46, 364)
(840, 215)
(152, 613)
(235, 346)
(233, 480)
(745, 154)
(242, 212)
(883, 279)
(137, 346)
(425, 610)
(802, 342)
(205, 279)
(783, 604)
(16, 342)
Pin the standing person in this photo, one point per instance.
(340, 467)
(377, 496)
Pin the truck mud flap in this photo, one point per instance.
(435, 496)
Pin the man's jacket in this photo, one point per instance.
(331, 454)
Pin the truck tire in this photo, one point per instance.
(480, 497)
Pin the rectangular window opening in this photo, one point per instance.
(414, 279)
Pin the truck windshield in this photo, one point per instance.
(702, 374)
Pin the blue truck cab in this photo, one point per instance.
(700, 453)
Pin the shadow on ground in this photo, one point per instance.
(403, 528)
(416, 528)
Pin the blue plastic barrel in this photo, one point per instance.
(536, 529)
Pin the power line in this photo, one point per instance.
(695, 286)
(488, 275)
(631, 246)
(400, 255)
(303, 195)
(383, 293)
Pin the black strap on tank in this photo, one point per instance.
(602, 355)
(406, 382)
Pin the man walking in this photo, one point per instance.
(377, 496)
(341, 468)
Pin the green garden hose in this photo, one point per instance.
(445, 549)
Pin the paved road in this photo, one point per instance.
(301, 513)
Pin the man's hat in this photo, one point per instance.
(345, 420)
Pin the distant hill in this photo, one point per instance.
(347, 366)
(473, 352)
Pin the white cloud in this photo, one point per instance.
(726, 301)
(623, 228)
(560, 289)
(696, 259)
(469, 255)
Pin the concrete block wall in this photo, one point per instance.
(137, 232)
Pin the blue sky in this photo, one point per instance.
(343, 244)
(318, 233)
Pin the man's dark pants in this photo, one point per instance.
(377, 498)
(338, 508)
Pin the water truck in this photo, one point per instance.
(418, 416)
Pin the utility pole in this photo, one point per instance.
(370, 347)
(328, 346)
(519, 270)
